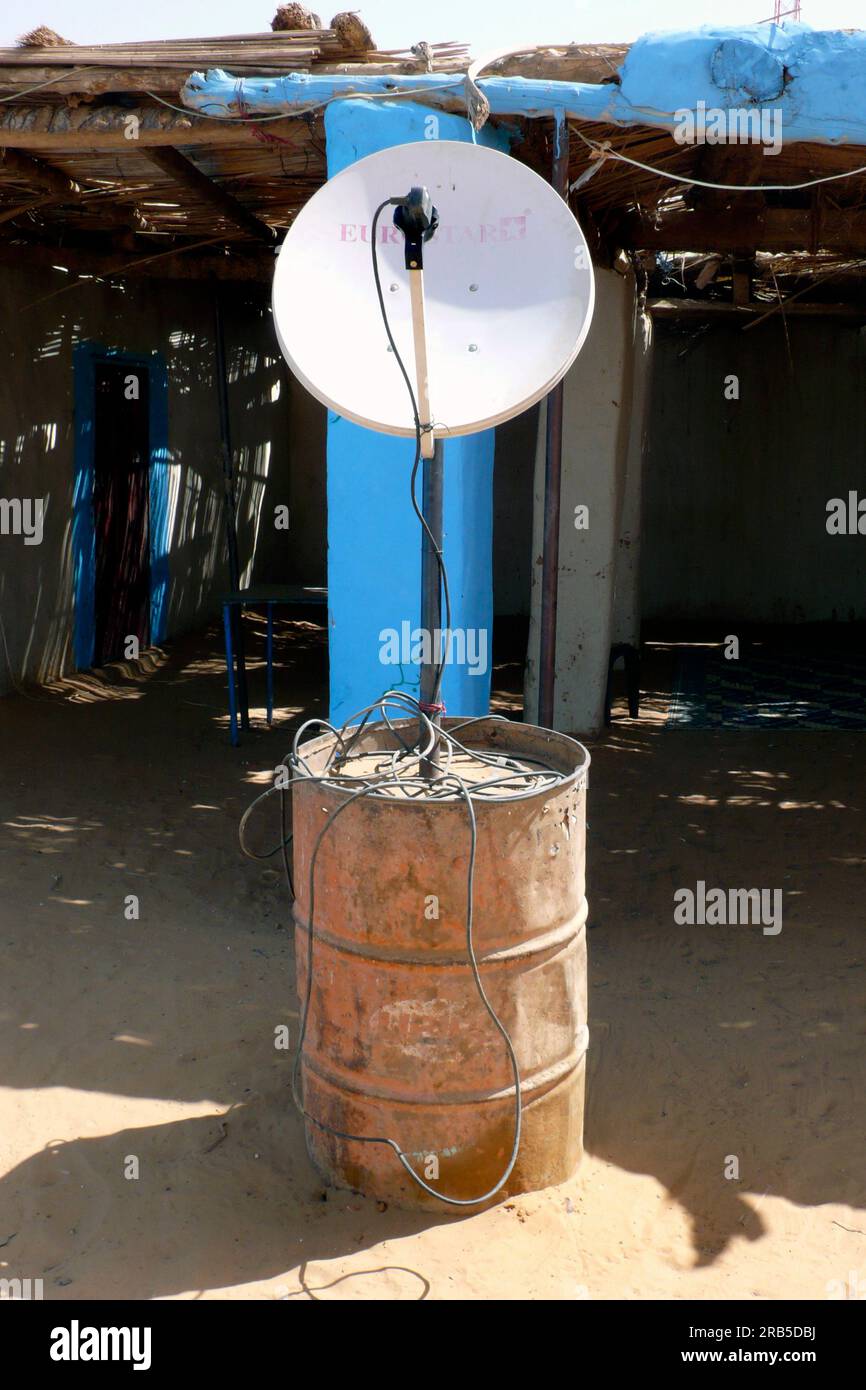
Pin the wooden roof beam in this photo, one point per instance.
(768, 229)
(33, 170)
(716, 308)
(189, 176)
(62, 189)
(175, 262)
(67, 130)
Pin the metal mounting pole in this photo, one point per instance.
(431, 589)
(417, 218)
(433, 454)
(552, 495)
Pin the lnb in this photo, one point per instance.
(417, 219)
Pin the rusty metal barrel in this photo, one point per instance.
(398, 1043)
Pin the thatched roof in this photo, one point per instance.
(195, 195)
(74, 174)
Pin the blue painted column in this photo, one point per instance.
(374, 537)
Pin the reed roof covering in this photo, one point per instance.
(197, 196)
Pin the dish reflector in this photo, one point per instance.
(508, 286)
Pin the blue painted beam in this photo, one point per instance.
(218, 93)
(815, 79)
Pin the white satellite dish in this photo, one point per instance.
(508, 289)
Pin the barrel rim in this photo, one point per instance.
(322, 741)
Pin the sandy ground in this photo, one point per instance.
(153, 1039)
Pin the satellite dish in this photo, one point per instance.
(508, 286)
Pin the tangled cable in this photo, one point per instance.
(393, 776)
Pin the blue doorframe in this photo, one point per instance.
(85, 357)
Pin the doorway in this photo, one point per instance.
(121, 455)
(120, 528)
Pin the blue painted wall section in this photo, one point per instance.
(374, 538)
(817, 78)
(83, 533)
(85, 357)
(159, 467)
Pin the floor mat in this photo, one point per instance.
(790, 689)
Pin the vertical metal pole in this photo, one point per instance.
(433, 454)
(229, 506)
(270, 662)
(431, 588)
(230, 668)
(552, 493)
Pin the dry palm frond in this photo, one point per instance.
(43, 37)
